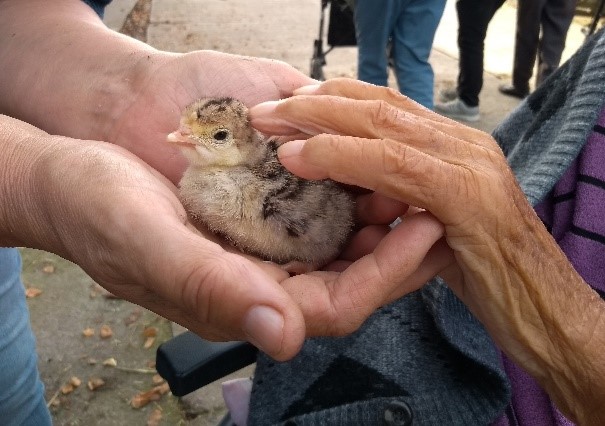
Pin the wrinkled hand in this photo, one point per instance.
(413, 155)
(168, 82)
(496, 254)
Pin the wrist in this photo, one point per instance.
(551, 322)
(24, 147)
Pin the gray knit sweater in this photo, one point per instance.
(425, 356)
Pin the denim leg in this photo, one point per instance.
(21, 390)
(412, 43)
(373, 26)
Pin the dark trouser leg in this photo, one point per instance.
(556, 19)
(527, 38)
(473, 19)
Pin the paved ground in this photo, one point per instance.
(70, 302)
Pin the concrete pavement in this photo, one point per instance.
(70, 302)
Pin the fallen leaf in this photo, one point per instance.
(155, 417)
(157, 379)
(142, 399)
(106, 332)
(150, 332)
(149, 342)
(95, 383)
(88, 332)
(67, 389)
(75, 382)
(109, 295)
(49, 268)
(91, 361)
(32, 292)
(133, 317)
(110, 362)
(151, 363)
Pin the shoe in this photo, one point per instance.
(458, 110)
(448, 94)
(510, 90)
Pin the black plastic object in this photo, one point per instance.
(188, 362)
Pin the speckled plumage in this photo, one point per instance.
(236, 187)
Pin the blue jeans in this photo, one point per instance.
(21, 390)
(411, 27)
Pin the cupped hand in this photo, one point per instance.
(103, 208)
(166, 83)
(378, 139)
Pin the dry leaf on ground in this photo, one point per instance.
(67, 389)
(106, 332)
(95, 383)
(48, 268)
(155, 418)
(149, 342)
(150, 332)
(88, 332)
(32, 292)
(144, 398)
(110, 362)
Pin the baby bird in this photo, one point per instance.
(237, 188)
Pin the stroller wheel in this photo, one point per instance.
(317, 71)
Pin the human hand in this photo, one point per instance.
(169, 82)
(495, 242)
(104, 209)
(409, 153)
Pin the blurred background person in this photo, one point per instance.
(542, 27)
(410, 26)
(462, 102)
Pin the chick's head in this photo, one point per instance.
(217, 132)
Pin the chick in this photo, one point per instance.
(237, 188)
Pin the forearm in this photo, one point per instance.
(63, 70)
(545, 317)
(23, 220)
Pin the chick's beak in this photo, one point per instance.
(180, 136)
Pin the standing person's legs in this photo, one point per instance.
(556, 19)
(473, 20)
(413, 36)
(527, 38)
(21, 391)
(373, 20)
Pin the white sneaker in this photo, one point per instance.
(458, 110)
(448, 94)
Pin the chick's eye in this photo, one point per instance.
(221, 135)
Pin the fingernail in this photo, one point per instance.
(264, 328)
(263, 109)
(290, 149)
(311, 89)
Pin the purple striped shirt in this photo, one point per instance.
(574, 213)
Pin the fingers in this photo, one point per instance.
(394, 170)
(374, 208)
(348, 107)
(337, 304)
(223, 294)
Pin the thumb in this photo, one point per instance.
(220, 295)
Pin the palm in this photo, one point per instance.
(176, 81)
